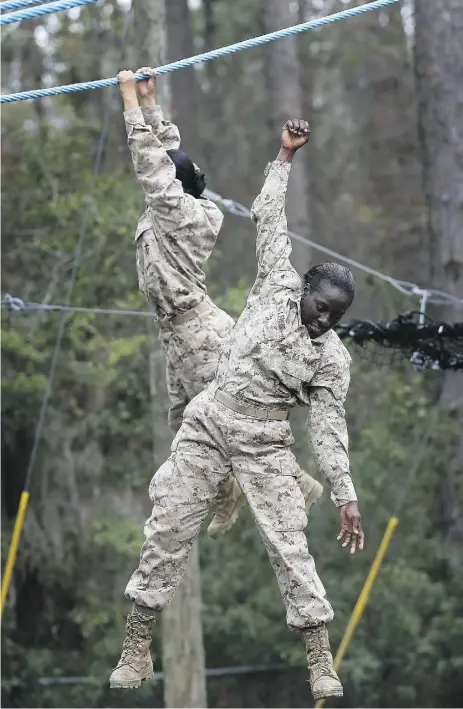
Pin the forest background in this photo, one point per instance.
(381, 182)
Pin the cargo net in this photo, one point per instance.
(413, 336)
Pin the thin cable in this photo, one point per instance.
(18, 4)
(207, 56)
(209, 672)
(42, 10)
(17, 304)
(405, 287)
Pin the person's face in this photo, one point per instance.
(322, 309)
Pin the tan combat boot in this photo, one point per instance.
(229, 500)
(135, 664)
(324, 682)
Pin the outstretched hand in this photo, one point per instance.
(295, 134)
(351, 528)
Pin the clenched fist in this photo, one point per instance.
(295, 134)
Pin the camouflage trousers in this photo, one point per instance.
(213, 442)
(192, 351)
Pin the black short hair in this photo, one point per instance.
(192, 179)
(333, 273)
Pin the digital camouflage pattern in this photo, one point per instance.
(175, 237)
(268, 360)
(191, 348)
(176, 233)
(212, 442)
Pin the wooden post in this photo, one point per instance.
(181, 625)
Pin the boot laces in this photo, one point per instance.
(137, 632)
(319, 655)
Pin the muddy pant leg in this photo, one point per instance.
(277, 505)
(182, 492)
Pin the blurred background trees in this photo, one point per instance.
(381, 182)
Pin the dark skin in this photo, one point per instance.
(321, 310)
(146, 89)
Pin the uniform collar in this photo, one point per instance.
(322, 338)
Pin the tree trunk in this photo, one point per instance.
(214, 101)
(439, 72)
(284, 88)
(184, 87)
(182, 638)
(150, 29)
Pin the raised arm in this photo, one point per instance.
(166, 131)
(154, 169)
(268, 211)
(193, 224)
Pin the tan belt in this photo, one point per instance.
(246, 410)
(190, 314)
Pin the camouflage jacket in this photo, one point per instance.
(183, 229)
(270, 360)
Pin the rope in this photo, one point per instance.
(207, 56)
(16, 537)
(43, 10)
(18, 4)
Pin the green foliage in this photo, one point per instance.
(65, 612)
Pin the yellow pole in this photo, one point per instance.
(18, 525)
(363, 597)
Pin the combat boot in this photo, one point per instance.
(324, 682)
(310, 488)
(135, 664)
(229, 500)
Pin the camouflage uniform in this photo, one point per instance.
(270, 363)
(175, 237)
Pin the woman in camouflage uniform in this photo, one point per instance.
(174, 238)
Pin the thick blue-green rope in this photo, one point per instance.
(207, 56)
(18, 4)
(42, 10)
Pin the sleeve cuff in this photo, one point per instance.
(134, 117)
(344, 491)
(279, 166)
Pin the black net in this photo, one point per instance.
(427, 344)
